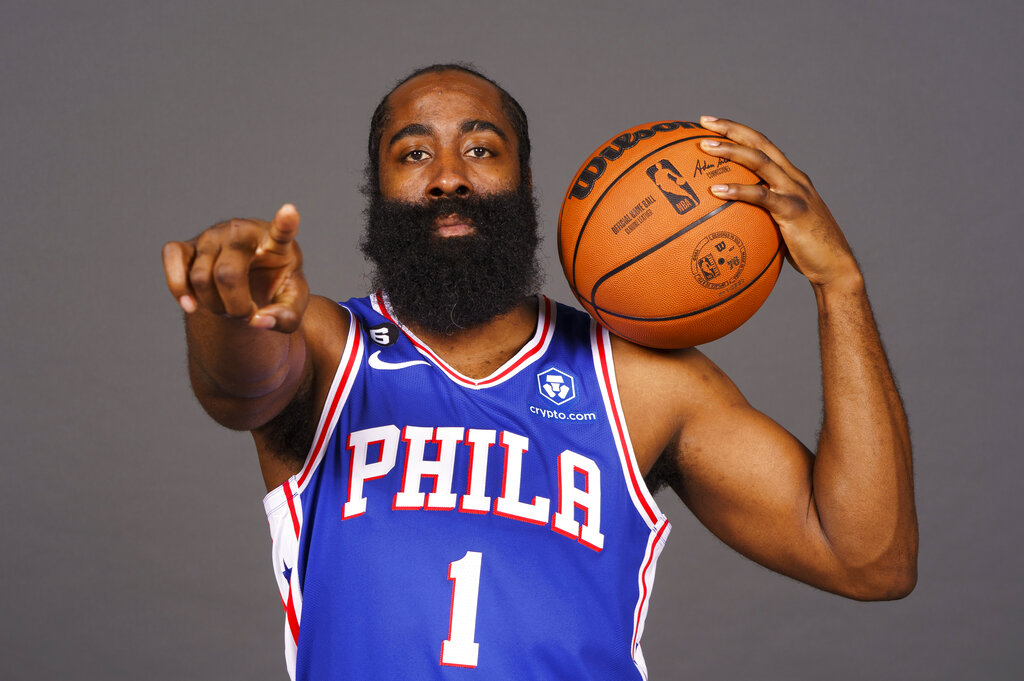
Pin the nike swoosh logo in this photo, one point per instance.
(377, 363)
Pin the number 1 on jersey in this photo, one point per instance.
(460, 650)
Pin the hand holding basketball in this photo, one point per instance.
(242, 269)
(815, 243)
(651, 253)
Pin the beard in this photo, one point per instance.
(446, 284)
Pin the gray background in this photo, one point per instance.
(134, 539)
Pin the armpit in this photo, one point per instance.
(663, 473)
(289, 435)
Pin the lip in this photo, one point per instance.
(453, 225)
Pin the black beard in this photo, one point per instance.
(445, 284)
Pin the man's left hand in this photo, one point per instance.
(816, 245)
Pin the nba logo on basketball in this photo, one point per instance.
(678, 192)
(708, 267)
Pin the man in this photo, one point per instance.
(529, 550)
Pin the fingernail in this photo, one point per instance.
(187, 304)
(260, 321)
(719, 188)
(708, 119)
(710, 143)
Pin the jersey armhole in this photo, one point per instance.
(604, 365)
(344, 377)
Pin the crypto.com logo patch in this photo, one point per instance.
(557, 386)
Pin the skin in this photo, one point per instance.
(841, 519)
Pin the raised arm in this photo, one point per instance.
(843, 519)
(235, 282)
(259, 346)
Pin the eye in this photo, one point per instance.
(416, 155)
(480, 152)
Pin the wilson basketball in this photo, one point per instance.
(651, 253)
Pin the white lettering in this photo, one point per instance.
(417, 467)
(360, 471)
(508, 504)
(373, 454)
(571, 497)
(474, 500)
(563, 416)
(459, 649)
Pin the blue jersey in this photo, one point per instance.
(444, 527)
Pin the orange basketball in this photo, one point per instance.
(651, 253)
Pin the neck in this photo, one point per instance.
(478, 351)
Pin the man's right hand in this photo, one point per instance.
(243, 269)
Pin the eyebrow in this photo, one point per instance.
(411, 130)
(479, 124)
(471, 125)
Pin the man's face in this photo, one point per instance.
(447, 136)
(453, 233)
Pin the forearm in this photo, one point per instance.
(863, 477)
(240, 374)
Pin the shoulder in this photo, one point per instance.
(326, 327)
(664, 390)
(283, 442)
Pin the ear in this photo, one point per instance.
(527, 179)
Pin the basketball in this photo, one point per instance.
(651, 253)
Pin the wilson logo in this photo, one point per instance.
(595, 168)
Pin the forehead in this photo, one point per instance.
(445, 96)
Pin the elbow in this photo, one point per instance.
(894, 586)
(886, 573)
(905, 587)
(240, 413)
(883, 582)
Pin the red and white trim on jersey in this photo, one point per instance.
(646, 582)
(344, 377)
(529, 353)
(283, 507)
(600, 342)
(643, 501)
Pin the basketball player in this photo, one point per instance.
(455, 465)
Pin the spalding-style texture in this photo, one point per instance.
(654, 256)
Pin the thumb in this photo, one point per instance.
(284, 313)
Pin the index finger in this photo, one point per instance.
(177, 256)
(281, 234)
(747, 136)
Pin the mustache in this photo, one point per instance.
(421, 217)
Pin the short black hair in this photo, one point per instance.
(381, 115)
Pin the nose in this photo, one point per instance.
(450, 178)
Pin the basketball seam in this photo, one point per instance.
(695, 312)
(592, 300)
(586, 221)
(640, 256)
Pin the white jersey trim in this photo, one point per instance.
(604, 365)
(643, 500)
(645, 583)
(534, 349)
(283, 506)
(344, 377)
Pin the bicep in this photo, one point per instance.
(750, 482)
